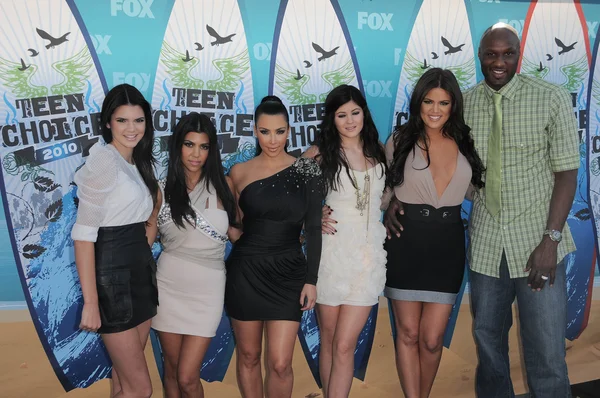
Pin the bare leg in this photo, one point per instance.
(281, 338)
(248, 338)
(408, 318)
(115, 384)
(171, 347)
(127, 354)
(192, 353)
(350, 322)
(431, 342)
(327, 316)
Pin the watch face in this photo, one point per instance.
(555, 235)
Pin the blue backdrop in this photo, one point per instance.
(174, 50)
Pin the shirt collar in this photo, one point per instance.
(508, 91)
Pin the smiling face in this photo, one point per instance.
(272, 133)
(349, 120)
(194, 152)
(499, 56)
(435, 109)
(127, 125)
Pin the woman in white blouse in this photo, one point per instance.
(115, 228)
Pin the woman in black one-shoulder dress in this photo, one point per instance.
(269, 280)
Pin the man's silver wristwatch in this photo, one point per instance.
(553, 234)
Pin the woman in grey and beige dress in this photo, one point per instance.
(194, 222)
(432, 162)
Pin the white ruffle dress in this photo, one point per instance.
(352, 269)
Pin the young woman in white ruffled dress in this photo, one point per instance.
(352, 271)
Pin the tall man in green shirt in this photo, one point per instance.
(526, 134)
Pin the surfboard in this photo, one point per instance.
(52, 89)
(555, 47)
(312, 54)
(592, 145)
(204, 67)
(440, 38)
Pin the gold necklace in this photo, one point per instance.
(363, 198)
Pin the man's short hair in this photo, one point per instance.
(499, 25)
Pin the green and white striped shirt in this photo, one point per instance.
(539, 138)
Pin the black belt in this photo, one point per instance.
(429, 213)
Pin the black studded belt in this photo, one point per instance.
(429, 213)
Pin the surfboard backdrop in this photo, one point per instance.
(195, 56)
(592, 145)
(555, 47)
(204, 67)
(440, 38)
(312, 54)
(51, 91)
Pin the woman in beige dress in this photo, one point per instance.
(433, 162)
(194, 222)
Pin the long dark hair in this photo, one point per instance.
(413, 132)
(176, 194)
(125, 94)
(330, 142)
(270, 105)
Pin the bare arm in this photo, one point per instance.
(470, 194)
(86, 268)
(327, 222)
(152, 223)
(543, 258)
(234, 233)
(312, 152)
(563, 193)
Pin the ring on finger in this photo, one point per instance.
(544, 277)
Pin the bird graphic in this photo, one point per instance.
(307, 64)
(425, 66)
(324, 54)
(23, 67)
(549, 57)
(298, 75)
(218, 39)
(563, 48)
(199, 46)
(53, 40)
(434, 55)
(187, 57)
(541, 68)
(32, 52)
(451, 48)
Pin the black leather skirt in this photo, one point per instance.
(125, 277)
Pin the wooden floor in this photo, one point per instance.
(25, 371)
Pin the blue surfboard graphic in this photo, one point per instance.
(205, 51)
(592, 145)
(312, 54)
(51, 90)
(548, 26)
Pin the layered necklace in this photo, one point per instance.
(363, 199)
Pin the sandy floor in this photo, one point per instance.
(25, 371)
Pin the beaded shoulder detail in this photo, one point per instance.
(200, 222)
(307, 167)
